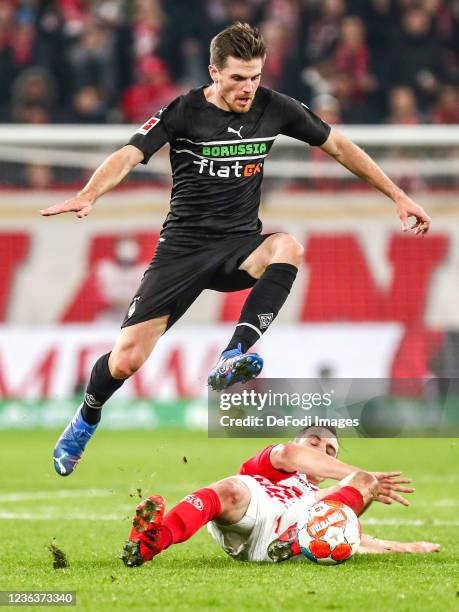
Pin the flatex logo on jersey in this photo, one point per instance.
(223, 171)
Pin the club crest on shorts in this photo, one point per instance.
(132, 306)
(194, 501)
(265, 319)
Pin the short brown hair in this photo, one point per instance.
(238, 40)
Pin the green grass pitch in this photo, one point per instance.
(88, 513)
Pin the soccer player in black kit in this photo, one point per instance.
(219, 136)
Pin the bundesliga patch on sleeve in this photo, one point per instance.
(150, 124)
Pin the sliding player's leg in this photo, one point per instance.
(133, 346)
(227, 500)
(357, 493)
(274, 264)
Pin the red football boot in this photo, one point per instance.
(142, 545)
(285, 547)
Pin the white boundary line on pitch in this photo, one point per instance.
(23, 496)
(6, 516)
(446, 502)
(35, 495)
(30, 516)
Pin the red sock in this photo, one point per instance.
(189, 515)
(348, 495)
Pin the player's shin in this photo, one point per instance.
(263, 304)
(189, 515)
(100, 388)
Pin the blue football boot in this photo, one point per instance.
(233, 367)
(71, 444)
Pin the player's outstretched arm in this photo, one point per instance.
(362, 165)
(292, 457)
(370, 545)
(107, 176)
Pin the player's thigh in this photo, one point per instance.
(277, 248)
(136, 342)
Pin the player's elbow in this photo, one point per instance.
(333, 146)
(284, 457)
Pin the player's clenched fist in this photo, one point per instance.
(80, 204)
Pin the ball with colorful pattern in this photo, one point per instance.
(329, 533)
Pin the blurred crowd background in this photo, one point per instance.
(370, 301)
(117, 61)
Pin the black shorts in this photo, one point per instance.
(176, 276)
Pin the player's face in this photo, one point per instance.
(321, 440)
(236, 84)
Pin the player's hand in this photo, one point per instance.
(390, 485)
(80, 204)
(407, 208)
(420, 547)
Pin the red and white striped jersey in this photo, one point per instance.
(285, 488)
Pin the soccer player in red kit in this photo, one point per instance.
(251, 515)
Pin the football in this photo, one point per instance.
(329, 533)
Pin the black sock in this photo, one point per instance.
(100, 388)
(263, 304)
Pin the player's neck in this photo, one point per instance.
(211, 95)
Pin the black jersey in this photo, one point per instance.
(217, 159)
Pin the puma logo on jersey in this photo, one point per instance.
(238, 132)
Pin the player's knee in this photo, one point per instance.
(363, 481)
(126, 362)
(231, 492)
(289, 250)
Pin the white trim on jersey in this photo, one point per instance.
(220, 159)
(231, 142)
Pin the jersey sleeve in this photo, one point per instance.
(158, 130)
(260, 465)
(298, 121)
